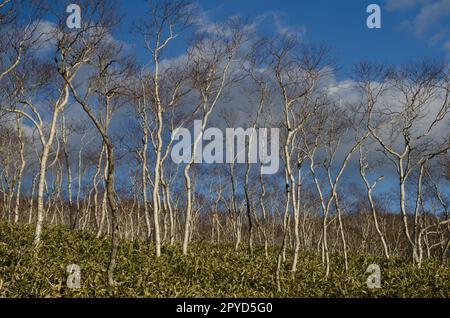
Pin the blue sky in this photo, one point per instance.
(411, 29)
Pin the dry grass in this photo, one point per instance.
(209, 271)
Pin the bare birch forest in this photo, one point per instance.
(88, 125)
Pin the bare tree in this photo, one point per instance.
(297, 71)
(159, 30)
(107, 86)
(403, 129)
(363, 165)
(20, 25)
(213, 58)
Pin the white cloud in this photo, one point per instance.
(275, 19)
(283, 29)
(431, 14)
(402, 5)
(429, 19)
(46, 33)
(44, 36)
(394, 100)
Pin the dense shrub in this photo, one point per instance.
(209, 271)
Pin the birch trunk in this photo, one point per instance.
(43, 165)
(21, 169)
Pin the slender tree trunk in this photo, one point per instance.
(40, 196)
(265, 221)
(95, 186)
(402, 181)
(369, 189)
(342, 232)
(33, 189)
(114, 210)
(417, 232)
(188, 221)
(144, 179)
(72, 212)
(169, 209)
(247, 198)
(21, 169)
(104, 208)
(156, 186)
(43, 165)
(296, 223)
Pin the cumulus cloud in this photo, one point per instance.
(401, 5)
(431, 14)
(429, 19)
(275, 19)
(44, 36)
(282, 28)
(47, 33)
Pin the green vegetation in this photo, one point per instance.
(209, 271)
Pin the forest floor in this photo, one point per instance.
(209, 271)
